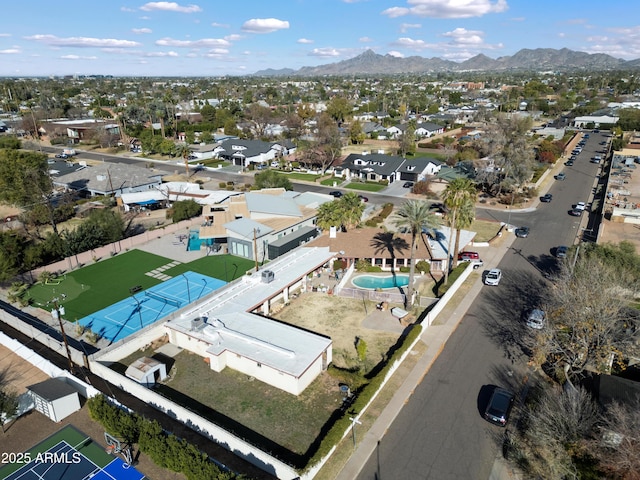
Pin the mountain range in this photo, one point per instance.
(539, 59)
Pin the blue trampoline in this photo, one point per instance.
(126, 317)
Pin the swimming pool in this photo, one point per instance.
(388, 281)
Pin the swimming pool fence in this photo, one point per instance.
(372, 295)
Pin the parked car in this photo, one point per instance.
(574, 212)
(522, 232)
(569, 163)
(363, 198)
(62, 155)
(546, 198)
(407, 184)
(493, 277)
(560, 176)
(468, 256)
(499, 406)
(336, 193)
(580, 206)
(476, 264)
(561, 251)
(536, 318)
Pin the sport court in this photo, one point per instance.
(70, 454)
(145, 307)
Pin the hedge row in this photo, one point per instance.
(166, 450)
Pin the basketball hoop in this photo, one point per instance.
(109, 449)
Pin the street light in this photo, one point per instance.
(353, 428)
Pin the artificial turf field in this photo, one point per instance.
(93, 287)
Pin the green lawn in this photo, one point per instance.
(366, 187)
(306, 177)
(96, 286)
(328, 182)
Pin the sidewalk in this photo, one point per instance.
(435, 337)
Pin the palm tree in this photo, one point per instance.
(183, 150)
(417, 217)
(351, 208)
(459, 197)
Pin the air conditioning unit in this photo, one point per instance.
(267, 276)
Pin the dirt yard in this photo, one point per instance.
(344, 320)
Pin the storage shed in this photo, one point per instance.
(147, 371)
(55, 398)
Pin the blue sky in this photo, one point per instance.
(239, 37)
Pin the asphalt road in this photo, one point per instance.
(440, 433)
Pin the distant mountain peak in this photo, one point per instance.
(372, 63)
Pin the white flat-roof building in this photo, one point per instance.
(228, 331)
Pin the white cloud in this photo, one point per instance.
(411, 43)
(365, 39)
(464, 37)
(5, 34)
(83, 42)
(170, 7)
(404, 27)
(161, 54)
(393, 53)
(624, 42)
(127, 9)
(202, 43)
(141, 30)
(78, 57)
(218, 53)
(233, 37)
(264, 25)
(304, 40)
(448, 8)
(325, 52)
(10, 51)
(219, 25)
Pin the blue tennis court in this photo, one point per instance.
(127, 316)
(63, 461)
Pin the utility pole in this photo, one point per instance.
(57, 313)
(255, 246)
(353, 429)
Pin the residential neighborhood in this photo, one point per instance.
(230, 256)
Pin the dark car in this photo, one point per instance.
(407, 184)
(336, 193)
(547, 197)
(62, 155)
(560, 176)
(569, 163)
(363, 198)
(575, 212)
(522, 232)
(499, 406)
(561, 251)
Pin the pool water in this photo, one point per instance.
(195, 242)
(374, 281)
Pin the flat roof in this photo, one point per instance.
(233, 327)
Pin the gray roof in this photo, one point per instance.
(251, 148)
(52, 389)
(378, 162)
(420, 164)
(275, 205)
(246, 226)
(108, 178)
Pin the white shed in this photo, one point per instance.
(55, 398)
(147, 371)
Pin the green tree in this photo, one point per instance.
(12, 246)
(329, 215)
(8, 405)
(407, 141)
(339, 109)
(272, 179)
(356, 134)
(459, 199)
(185, 209)
(416, 216)
(350, 207)
(183, 150)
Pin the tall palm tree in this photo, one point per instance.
(183, 150)
(351, 208)
(459, 193)
(416, 216)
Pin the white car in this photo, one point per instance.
(536, 318)
(493, 277)
(581, 206)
